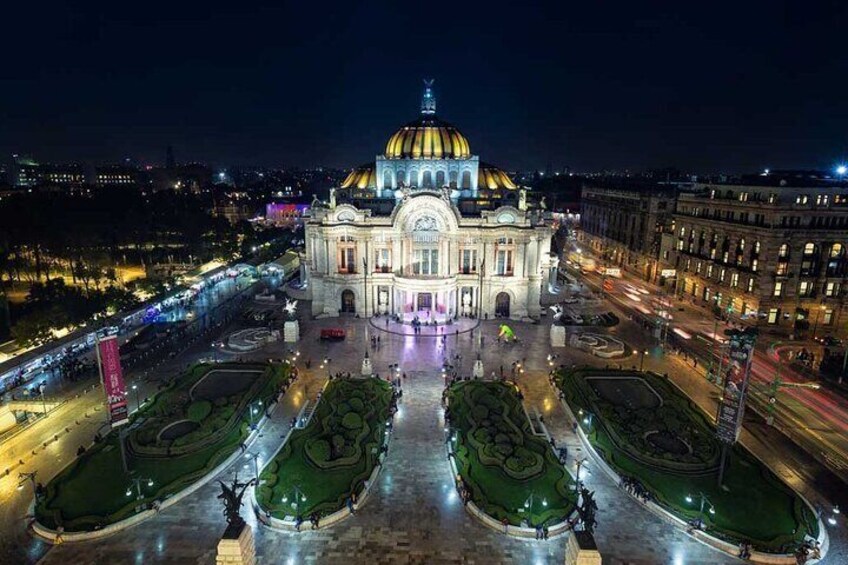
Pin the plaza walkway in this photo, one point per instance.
(414, 515)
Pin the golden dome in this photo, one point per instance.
(491, 177)
(428, 137)
(363, 176)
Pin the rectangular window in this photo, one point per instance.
(750, 284)
(828, 317)
(805, 288)
(347, 260)
(721, 274)
(778, 288)
(504, 263)
(773, 315)
(831, 289)
(468, 261)
(754, 264)
(782, 268)
(382, 261)
(709, 271)
(425, 262)
(734, 280)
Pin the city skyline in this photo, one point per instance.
(586, 88)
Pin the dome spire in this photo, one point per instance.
(428, 99)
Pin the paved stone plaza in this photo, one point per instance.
(414, 515)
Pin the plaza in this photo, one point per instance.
(414, 513)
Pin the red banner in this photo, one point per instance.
(113, 381)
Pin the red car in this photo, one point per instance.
(335, 334)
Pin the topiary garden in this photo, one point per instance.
(320, 465)
(647, 430)
(510, 472)
(170, 443)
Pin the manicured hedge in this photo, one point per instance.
(334, 455)
(512, 474)
(754, 503)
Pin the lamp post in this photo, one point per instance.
(137, 483)
(253, 411)
(23, 477)
(255, 457)
(704, 501)
(41, 388)
(298, 498)
(816, 324)
(642, 360)
(365, 285)
(579, 463)
(137, 401)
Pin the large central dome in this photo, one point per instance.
(428, 137)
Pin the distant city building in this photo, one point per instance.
(70, 175)
(115, 176)
(428, 231)
(622, 220)
(769, 250)
(284, 213)
(26, 171)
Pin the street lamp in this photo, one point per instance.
(579, 463)
(137, 483)
(704, 501)
(137, 401)
(841, 171)
(816, 324)
(255, 457)
(298, 498)
(642, 360)
(23, 477)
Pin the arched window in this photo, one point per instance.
(427, 179)
(783, 252)
(466, 179)
(453, 176)
(387, 179)
(440, 179)
(401, 178)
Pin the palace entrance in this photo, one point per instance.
(502, 305)
(425, 301)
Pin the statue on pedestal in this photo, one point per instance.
(232, 495)
(587, 509)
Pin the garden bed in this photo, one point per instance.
(511, 473)
(92, 491)
(321, 465)
(672, 451)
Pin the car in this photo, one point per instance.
(829, 341)
(334, 334)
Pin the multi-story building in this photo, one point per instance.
(622, 220)
(428, 230)
(115, 175)
(26, 171)
(69, 175)
(769, 250)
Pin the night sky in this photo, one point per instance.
(704, 86)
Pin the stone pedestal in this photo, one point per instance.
(367, 371)
(557, 336)
(477, 372)
(291, 331)
(236, 547)
(580, 549)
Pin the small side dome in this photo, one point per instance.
(492, 178)
(363, 176)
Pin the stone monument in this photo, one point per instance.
(291, 328)
(367, 371)
(477, 372)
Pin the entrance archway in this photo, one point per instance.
(348, 302)
(502, 305)
(425, 301)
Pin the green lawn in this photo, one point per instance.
(510, 472)
(91, 492)
(333, 456)
(754, 504)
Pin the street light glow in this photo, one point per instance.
(841, 170)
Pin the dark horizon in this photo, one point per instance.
(702, 88)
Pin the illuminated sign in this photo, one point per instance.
(113, 380)
(668, 273)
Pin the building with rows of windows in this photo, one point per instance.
(769, 250)
(428, 230)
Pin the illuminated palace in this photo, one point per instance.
(428, 230)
